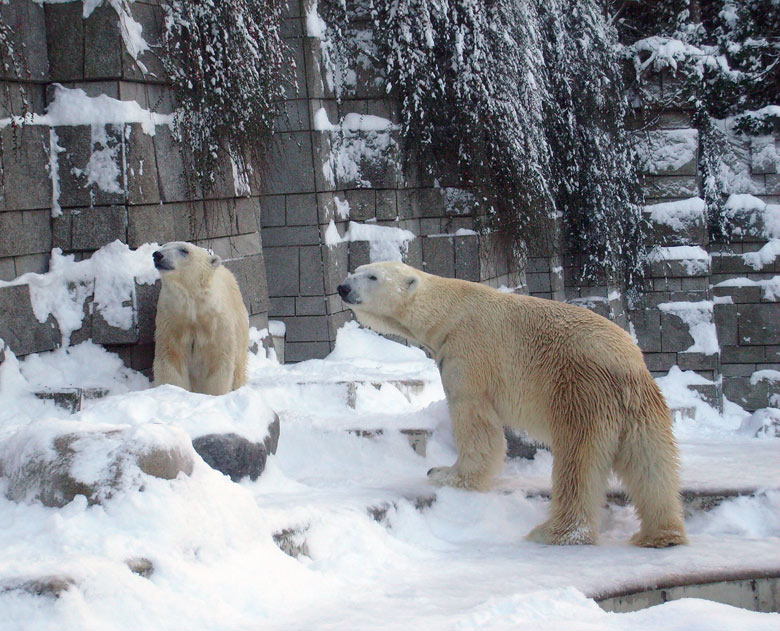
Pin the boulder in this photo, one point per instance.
(764, 423)
(236, 456)
(53, 461)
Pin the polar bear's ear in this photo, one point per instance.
(215, 261)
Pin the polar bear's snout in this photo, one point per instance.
(347, 294)
(160, 262)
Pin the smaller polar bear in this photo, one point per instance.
(202, 326)
(570, 377)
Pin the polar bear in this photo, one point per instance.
(571, 378)
(202, 326)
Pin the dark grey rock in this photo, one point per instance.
(232, 455)
(27, 32)
(519, 445)
(76, 144)
(20, 328)
(271, 441)
(272, 210)
(467, 257)
(250, 275)
(291, 235)
(150, 17)
(675, 334)
(146, 310)
(311, 271)
(141, 566)
(105, 333)
(362, 204)
(752, 397)
(302, 209)
(247, 214)
(306, 329)
(359, 254)
(177, 184)
(153, 223)
(386, 205)
(647, 328)
(281, 266)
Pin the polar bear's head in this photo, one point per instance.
(380, 294)
(185, 263)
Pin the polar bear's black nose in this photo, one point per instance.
(343, 291)
(157, 256)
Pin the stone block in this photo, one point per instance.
(660, 362)
(234, 247)
(76, 144)
(467, 258)
(177, 182)
(647, 328)
(155, 223)
(538, 283)
(146, 310)
(141, 167)
(727, 263)
(301, 351)
(282, 270)
(92, 228)
(737, 370)
(272, 211)
(306, 329)
(665, 187)
(310, 305)
(65, 41)
(212, 219)
(752, 397)
(19, 327)
(7, 269)
(291, 236)
(105, 333)
(359, 254)
(25, 232)
(291, 165)
(742, 354)
(27, 32)
(739, 294)
(302, 210)
(102, 44)
(250, 274)
(763, 155)
(386, 205)
(675, 334)
(758, 324)
(27, 183)
(725, 317)
(247, 214)
(295, 116)
(697, 361)
(311, 271)
(150, 17)
(362, 204)
(280, 306)
(439, 256)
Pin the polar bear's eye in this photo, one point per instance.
(184, 251)
(372, 277)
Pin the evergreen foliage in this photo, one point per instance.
(721, 60)
(527, 99)
(229, 65)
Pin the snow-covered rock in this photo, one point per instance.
(54, 461)
(763, 423)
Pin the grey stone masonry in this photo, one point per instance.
(80, 187)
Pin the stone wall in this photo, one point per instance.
(148, 198)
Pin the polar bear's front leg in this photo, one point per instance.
(479, 435)
(170, 368)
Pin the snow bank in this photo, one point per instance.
(668, 150)
(109, 275)
(771, 286)
(694, 258)
(767, 215)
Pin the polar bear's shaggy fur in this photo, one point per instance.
(202, 326)
(571, 378)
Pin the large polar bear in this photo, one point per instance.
(202, 326)
(572, 378)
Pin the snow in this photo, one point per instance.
(677, 215)
(386, 243)
(461, 563)
(72, 106)
(109, 275)
(694, 258)
(765, 256)
(277, 328)
(771, 286)
(668, 150)
(698, 316)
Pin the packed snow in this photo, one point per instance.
(459, 563)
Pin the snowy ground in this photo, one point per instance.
(461, 563)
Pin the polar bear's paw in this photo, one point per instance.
(450, 476)
(556, 535)
(660, 539)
